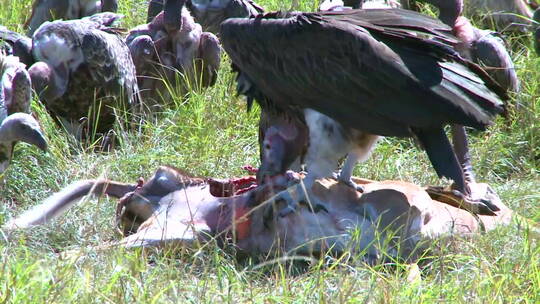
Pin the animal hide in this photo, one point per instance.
(390, 217)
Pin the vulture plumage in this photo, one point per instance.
(210, 13)
(82, 72)
(16, 124)
(160, 53)
(483, 47)
(49, 10)
(505, 15)
(388, 72)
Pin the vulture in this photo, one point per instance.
(505, 15)
(387, 72)
(328, 141)
(82, 71)
(16, 124)
(210, 13)
(483, 47)
(159, 52)
(49, 10)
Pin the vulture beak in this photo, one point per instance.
(172, 15)
(37, 139)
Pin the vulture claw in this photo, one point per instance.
(349, 182)
(485, 205)
(292, 198)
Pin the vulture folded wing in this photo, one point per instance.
(379, 79)
(109, 62)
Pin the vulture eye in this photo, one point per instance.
(267, 146)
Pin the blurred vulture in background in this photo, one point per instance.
(173, 43)
(384, 72)
(82, 71)
(504, 15)
(16, 124)
(210, 13)
(49, 10)
(483, 47)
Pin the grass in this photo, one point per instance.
(209, 133)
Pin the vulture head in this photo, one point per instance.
(143, 52)
(48, 82)
(283, 143)
(22, 127)
(15, 96)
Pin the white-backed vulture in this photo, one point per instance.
(16, 123)
(182, 56)
(83, 72)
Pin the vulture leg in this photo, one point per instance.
(363, 144)
(154, 8)
(461, 147)
(345, 175)
(443, 159)
(536, 34)
(109, 6)
(441, 155)
(292, 197)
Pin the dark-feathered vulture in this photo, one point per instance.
(160, 54)
(16, 124)
(386, 72)
(49, 10)
(83, 71)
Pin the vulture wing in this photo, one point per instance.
(109, 60)
(381, 71)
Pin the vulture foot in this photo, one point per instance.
(482, 201)
(293, 197)
(349, 182)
